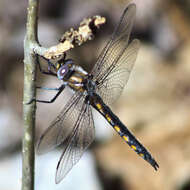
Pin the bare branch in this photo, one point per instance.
(72, 38)
(29, 93)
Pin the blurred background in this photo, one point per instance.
(154, 105)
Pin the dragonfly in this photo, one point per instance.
(98, 89)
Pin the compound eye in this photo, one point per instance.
(62, 72)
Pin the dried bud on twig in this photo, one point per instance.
(72, 38)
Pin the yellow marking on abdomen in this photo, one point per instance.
(117, 128)
(108, 117)
(141, 154)
(99, 106)
(133, 147)
(125, 138)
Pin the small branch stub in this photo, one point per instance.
(72, 38)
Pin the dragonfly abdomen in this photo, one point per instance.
(122, 130)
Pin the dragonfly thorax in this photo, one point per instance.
(90, 85)
(74, 76)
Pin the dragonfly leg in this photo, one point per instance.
(62, 59)
(46, 88)
(50, 65)
(60, 89)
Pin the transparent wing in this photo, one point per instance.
(111, 55)
(111, 87)
(61, 127)
(81, 137)
(121, 33)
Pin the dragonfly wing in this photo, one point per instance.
(112, 54)
(60, 128)
(121, 33)
(81, 137)
(111, 87)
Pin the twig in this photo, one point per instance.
(29, 93)
(72, 38)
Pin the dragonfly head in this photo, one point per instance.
(64, 68)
